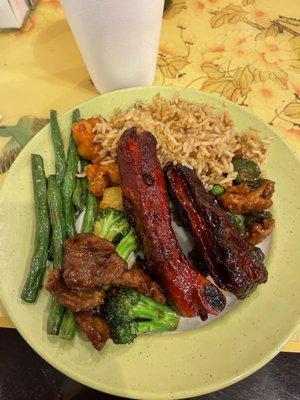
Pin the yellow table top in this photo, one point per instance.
(245, 50)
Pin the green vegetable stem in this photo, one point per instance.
(60, 161)
(57, 220)
(127, 245)
(68, 327)
(42, 232)
(84, 184)
(130, 313)
(55, 317)
(58, 234)
(90, 214)
(69, 182)
(77, 195)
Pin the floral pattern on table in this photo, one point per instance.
(250, 55)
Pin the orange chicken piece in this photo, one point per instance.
(84, 138)
(241, 199)
(101, 177)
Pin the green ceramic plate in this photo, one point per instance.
(174, 365)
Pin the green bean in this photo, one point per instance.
(50, 248)
(217, 190)
(57, 221)
(247, 170)
(237, 222)
(77, 194)
(84, 184)
(58, 234)
(42, 232)
(55, 317)
(81, 188)
(60, 161)
(69, 182)
(90, 214)
(61, 229)
(85, 191)
(75, 115)
(67, 329)
(256, 217)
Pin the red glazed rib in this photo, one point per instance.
(229, 258)
(146, 201)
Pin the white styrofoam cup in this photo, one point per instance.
(118, 39)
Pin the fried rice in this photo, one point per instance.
(187, 133)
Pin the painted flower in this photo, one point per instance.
(239, 47)
(209, 52)
(205, 5)
(267, 96)
(274, 50)
(260, 14)
(235, 47)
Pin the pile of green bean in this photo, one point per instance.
(57, 199)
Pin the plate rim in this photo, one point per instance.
(127, 392)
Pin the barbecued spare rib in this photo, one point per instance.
(229, 258)
(146, 201)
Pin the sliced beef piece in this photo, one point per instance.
(94, 327)
(75, 301)
(91, 262)
(98, 311)
(139, 280)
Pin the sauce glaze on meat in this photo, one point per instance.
(146, 201)
(229, 257)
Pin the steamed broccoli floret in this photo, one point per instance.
(130, 313)
(111, 224)
(124, 334)
(127, 245)
(118, 230)
(127, 332)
